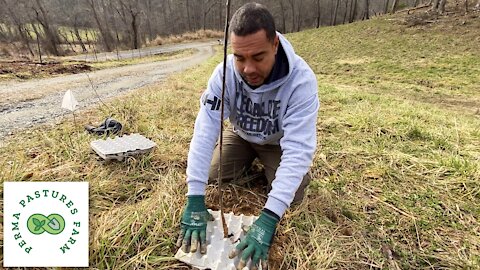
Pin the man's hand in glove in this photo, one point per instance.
(256, 243)
(194, 225)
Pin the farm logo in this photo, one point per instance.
(45, 224)
(38, 223)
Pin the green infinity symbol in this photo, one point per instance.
(38, 224)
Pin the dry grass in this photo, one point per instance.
(395, 179)
(188, 36)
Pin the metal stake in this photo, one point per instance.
(220, 190)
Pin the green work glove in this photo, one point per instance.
(257, 242)
(194, 225)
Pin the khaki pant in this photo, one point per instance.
(238, 156)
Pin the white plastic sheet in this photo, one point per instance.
(219, 247)
(122, 146)
(69, 102)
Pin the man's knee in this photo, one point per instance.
(213, 173)
(300, 194)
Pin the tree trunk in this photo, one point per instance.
(282, 10)
(435, 5)
(133, 11)
(292, 6)
(79, 40)
(366, 12)
(3, 36)
(385, 8)
(353, 12)
(438, 6)
(28, 40)
(149, 9)
(444, 2)
(335, 12)
(103, 32)
(77, 34)
(345, 13)
(165, 19)
(218, 15)
(37, 33)
(65, 38)
(122, 13)
(50, 31)
(394, 6)
(318, 14)
(114, 22)
(107, 14)
(134, 29)
(299, 18)
(174, 28)
(22, 32)
(189, 23)
(207, 10)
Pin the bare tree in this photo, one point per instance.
(299, 18)
(282, 12)
(122, 13)
(394, 6)
(76, 33)
(39, 48)
(385, 8)
(133, 11)
(4, 37)
(366, 12)
(165, 17)
(187, 10)
(335, 12)
(292, 8)
(19, 24)
(106, 36)
(207, 7)
(345, 12)
(131, 23)
(438, 6)
(318, 13)
(50, 30)
(148, 9)
(353, 11)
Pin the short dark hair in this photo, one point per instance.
(251, 18)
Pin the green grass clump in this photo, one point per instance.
(395, 178)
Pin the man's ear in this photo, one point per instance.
(276, 41)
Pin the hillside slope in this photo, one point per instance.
(399, 147)
(395, 178)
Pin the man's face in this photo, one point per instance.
(254, 56)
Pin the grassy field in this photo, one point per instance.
(395, 178)
(89, 34)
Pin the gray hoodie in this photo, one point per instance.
(283, 112)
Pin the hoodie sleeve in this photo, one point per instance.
(205, 134)
(298, 143)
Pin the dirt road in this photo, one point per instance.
(137, 53)
(25, 104)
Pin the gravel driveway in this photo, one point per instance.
(25, 104)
